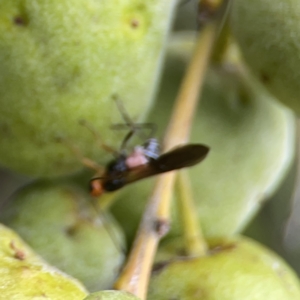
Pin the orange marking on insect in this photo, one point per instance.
(96, 187)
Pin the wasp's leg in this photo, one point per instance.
(138, 127)
(123, 112)
(87, 162)
(98, 138)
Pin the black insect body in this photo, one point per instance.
(144, 160)
(115, 174)
(120, 173)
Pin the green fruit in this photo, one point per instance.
(60, 224)
(61, 63)
(276, 217)
(251, 138)
(268, 33)
(233, 270)
(111, 295)
(25, 276)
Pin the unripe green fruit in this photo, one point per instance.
(62, 62)
(251, 140)
(233, 270)
(269, 35)
(25, 276)
(111, 295)
(59, 223)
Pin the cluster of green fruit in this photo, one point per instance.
(63, 63)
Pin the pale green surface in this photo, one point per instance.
(63, 63)
(243, 269)
(111, 295)
(251, 140)
(31, 278)
(269, 35)
(59, 223)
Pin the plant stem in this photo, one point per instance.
(156, 218)
(195, 244)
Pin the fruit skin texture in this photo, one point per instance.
(61, 62)
(268, 33)
(234, 270)
(25, 276)
(251, 140)
(57, 221)
(111, 295)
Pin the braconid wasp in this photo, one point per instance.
(144, 160)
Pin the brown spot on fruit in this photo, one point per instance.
(134, 23)
(20, 21)
(18, 253)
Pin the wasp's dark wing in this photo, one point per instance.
(178, 158)
(181, 157)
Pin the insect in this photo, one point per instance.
(118, 173)
(144, 161)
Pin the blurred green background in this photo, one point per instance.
(276, 225)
